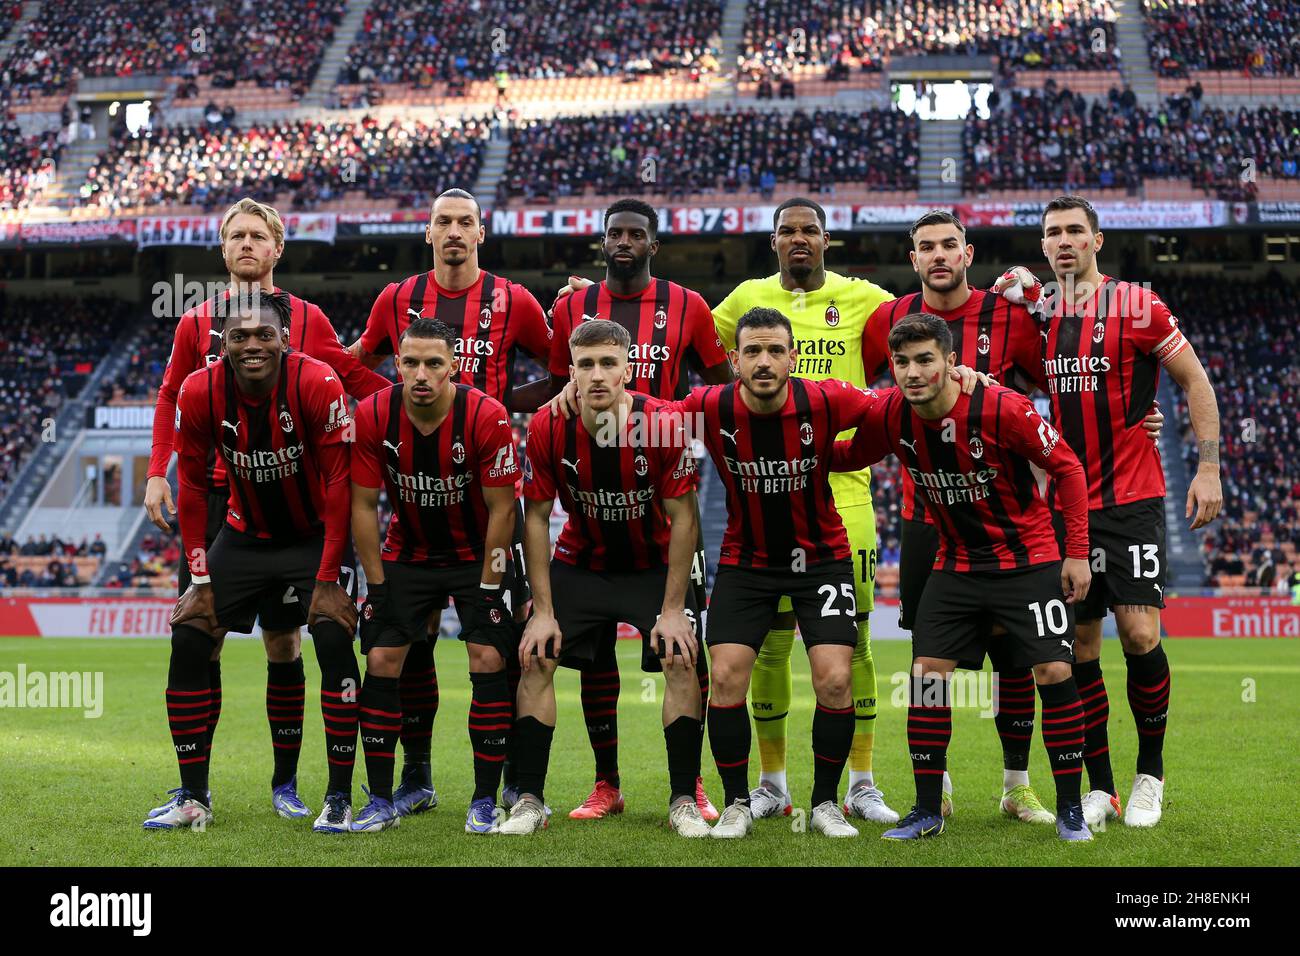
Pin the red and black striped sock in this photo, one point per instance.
(684, 740)
(600, 687)
(1148, 698)
(214, 711)
(418, 687)
(189, 700)
(729, 737)
(380, 708)
(1096, 715)
(1063, 736)
(531, 744)
(832, 736)
(489, 729)
(286, 694)
(929, 730)
(1014, 692)
(339, 687)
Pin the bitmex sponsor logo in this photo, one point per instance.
(74, 690)
(75, 909)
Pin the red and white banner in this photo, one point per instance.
(1248, 616)
(85, 617)
(206, 230)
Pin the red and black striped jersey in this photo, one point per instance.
(1101, 360)
(286, 456)
(989, 334)
(776, 469)
(493, 318)
(613, 492)
(197, 344)
(666, 322)
(434, 481)
(972, 468)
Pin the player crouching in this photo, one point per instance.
(625, 554)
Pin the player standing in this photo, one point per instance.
(828, 313)
(492, 318)
(1104, 343)
(998, 562)
(280, 421)
(668, 325)
(252, 241)
(445, 454)
(625, 554)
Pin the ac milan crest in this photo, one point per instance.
(458, 453)
(806, 433)
(286, 422)
(642, 465)
(976, 447)
(832, 316)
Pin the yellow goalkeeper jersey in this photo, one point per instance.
(828, 325)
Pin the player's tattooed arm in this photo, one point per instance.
(1205, 493)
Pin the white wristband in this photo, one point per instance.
(200, 579)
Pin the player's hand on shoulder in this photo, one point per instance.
(542, 638)
(1019, 286)
(969, 378)
(329, 600)
(575, 284)
(567, 403)
(197, 606)
(1076, 579)
(676, 631)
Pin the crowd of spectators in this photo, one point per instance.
(57, 572)
(1057, 140)
(1256, 37)
(1059, 35)
(274, 45)
(406, 162)
(421, 42)
(10, 13)
(49, 347)
(680, 151)
(157, 556)
(1246, 334)
(27, 164)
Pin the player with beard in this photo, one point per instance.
(998, 576)
(252, 242)
(445, 454)
(280, 422)
(669, 326)
(1104, 344)
(991, 335)
(828, 313)
(492, 318)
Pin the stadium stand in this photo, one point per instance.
(1257, 384)
(873, 149)
(1056, 139)
(295, 165)
(49, 347)
(27, 164)
(1255, 37)
(279, 45)
(839, 33)
(420, 43)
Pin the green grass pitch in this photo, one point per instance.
(74, 790)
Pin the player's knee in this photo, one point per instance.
(484, 659)
(282, 646)
(385, 661)
(728, 682)
(1139, 634)
(833, 686)
(1052, 672)
(538, 676)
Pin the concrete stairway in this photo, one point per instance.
(1135, 61)
(327, 75)
(941, 153)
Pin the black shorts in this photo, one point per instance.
(417, 590)
(959, 608)
(915, 562)
(587, 601)
(275, 612)
(255, 578)
(1127, 556)
(745, 600)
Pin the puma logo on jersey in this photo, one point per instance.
(1068, 645)
(590, 318)
(726, 434)
(572, 464)
(415, 313)
(214, 332)
(909, 444)
(329, 378)
(1159, 589)
(395, 448)
(234, 428)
